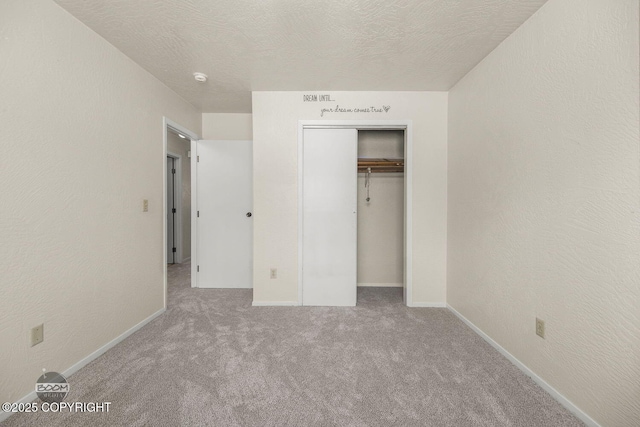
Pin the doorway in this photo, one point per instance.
(176, 225)
(380, 214)
(178, 198)
(318, 272)
(171, 209)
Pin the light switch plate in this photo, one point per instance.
(37, 335)
(540, 327)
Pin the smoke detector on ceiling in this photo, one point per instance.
(200, 77)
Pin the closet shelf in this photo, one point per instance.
(380, 165)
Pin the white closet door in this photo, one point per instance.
(329, 249)
(225, 223)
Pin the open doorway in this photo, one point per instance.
(173, 216)
(176, 194)
(380, 215)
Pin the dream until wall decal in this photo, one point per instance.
(338, 109)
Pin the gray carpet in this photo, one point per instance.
(214, 360)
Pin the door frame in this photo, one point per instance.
(194, 212)
(166, 125)
(177, 184)
(407, 126)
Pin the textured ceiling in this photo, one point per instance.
(245, 45)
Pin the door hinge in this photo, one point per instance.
(198, 158)
(198, 269)
(173, 171)
(198, 214)
(173, 249)
(173, 210)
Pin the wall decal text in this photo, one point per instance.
(324, 97)
(339, 109)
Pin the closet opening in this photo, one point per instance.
(351, 248)
(380, 216)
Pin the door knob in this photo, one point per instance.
(249, 214)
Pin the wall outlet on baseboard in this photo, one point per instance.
(273, 273)
(540, 327)
(37, 335)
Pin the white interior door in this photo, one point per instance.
(224, 223)
(329, 248)
(171, 210)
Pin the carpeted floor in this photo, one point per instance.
(213, 360)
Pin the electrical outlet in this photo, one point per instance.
(274, 273)
(37, 335)
(540, 327)
(145, 205)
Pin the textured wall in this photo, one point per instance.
(544, 213)
(181, 146)
(82, 147)
(381, 220)
(275, 177)
(226, 126)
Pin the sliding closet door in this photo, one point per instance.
(329, 249)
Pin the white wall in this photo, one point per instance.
(181, 146)
(381, 220)
(82, 143)
(544, 212)
(275, 159)
(386, 144)
(227, 126)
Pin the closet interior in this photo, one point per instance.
(380, 214)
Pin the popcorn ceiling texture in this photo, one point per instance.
(82, 147)
(543, 209)
(246, 45)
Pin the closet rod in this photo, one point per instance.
(380, 165)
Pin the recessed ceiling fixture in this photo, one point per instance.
(200, 77)
(181, 136)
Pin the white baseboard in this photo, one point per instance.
(90, 358)
(542, 383)
(428, 304)
(275, 303)
(380, 285)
